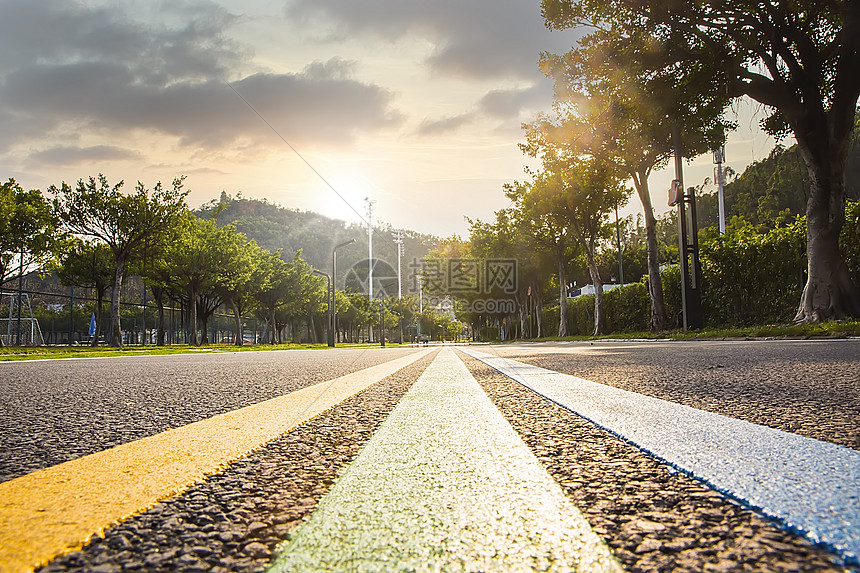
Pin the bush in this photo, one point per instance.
(749, 278)
(628, 308)
(753, 278)
(849, 240)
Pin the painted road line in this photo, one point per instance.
(812, 487)
(445, 484)
(55, 510)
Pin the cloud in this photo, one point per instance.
(477, 39)
(68, 68)
(445, 125)
(508, 107)
(515, 102)
(69, 155)
(58, 32)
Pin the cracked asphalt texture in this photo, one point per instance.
(808, 387)
(233, 521)
(52, 411)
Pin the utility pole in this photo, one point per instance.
(719, 176)
(370, 203)
(620, 259)
(398, 240)
(420, 307)
(688, 243)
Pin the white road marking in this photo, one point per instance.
(812, 487)
(445, 484)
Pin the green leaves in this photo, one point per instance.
(28, 230)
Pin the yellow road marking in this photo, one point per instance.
(58, 509)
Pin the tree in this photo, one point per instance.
(799, 59)
(615, 91)
(541, 212)
(205, 261)
(28, 231)
(273, 277)
(238, 291)
(87, 265)
(124, 222)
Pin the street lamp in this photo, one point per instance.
(332, 310)
(330, 300)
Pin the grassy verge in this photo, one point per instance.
(37, 352)
(841, 329)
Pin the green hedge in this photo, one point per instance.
(749, 278)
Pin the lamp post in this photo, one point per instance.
(330, 300)
(332, 310)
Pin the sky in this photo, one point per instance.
(311, 104)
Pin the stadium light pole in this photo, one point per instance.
(329, 334)
(332, 310)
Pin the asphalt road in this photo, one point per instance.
(52, 411)
(650, 516)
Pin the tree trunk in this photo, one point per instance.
(192, 315)
(240, 333)
(159, 299)
(562, 298)
(599, 320)
(100, 295)
(829, 293)
(655, 283)
(116, 325)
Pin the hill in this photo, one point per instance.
(274, 227)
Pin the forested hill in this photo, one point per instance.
(774, 190)
(274, 227)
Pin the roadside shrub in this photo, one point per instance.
(753, 278)
(849, 240)
(628, 308)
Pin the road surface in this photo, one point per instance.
(635, 456)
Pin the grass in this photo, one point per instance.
(37, 352)
(839, 329)
(9, 353)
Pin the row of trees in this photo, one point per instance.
(650, 82)
(94, 236)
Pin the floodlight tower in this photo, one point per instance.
(398, 240)
(370, 203)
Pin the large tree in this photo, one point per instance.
(543, 217)
(124, 222)
(797, 58)
(614, 92)
(205, 261)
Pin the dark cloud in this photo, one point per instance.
(65, 67)
(68, 155)
(60, 31)
(474, 39)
